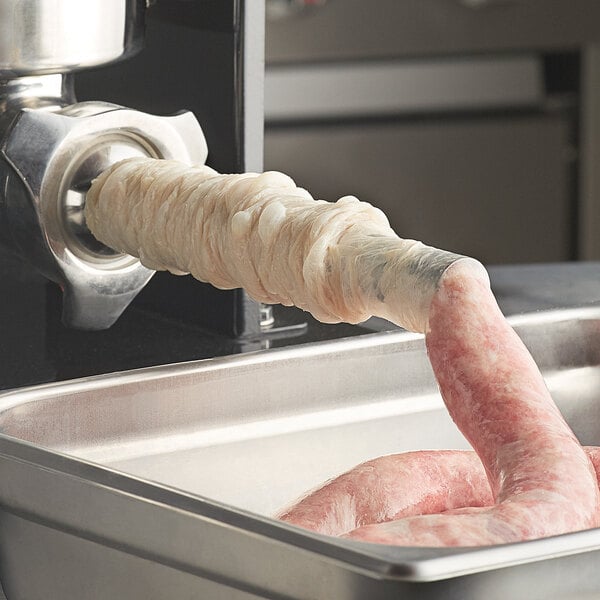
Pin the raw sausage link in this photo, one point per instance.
(541, 479)
(397, 486)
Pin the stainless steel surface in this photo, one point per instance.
(589, 175)
(133, 484)
(56, 36)
(44, 91)
(279, 9)
(48, 160)
(61, 147)
(52, 148)
(383, 88)
(348, 30)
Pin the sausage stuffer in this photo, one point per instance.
(53, 146)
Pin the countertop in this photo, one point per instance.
(36, 347)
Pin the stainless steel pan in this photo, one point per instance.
(161, 483)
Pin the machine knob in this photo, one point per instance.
(49, 159)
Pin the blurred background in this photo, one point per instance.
(474, 124)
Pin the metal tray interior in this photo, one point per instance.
(254, 432)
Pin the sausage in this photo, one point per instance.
(541, 480)
(392, 487)
(397, 486)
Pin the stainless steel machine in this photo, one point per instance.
(53, 146)
(160, 482)
(83, 85)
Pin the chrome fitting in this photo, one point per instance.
(48, 159)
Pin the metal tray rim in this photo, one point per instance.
(255, 358)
